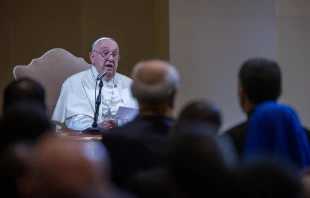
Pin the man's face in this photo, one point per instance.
(105, 56)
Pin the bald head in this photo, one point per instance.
(152, 72)
(66, 168)
(154, 81)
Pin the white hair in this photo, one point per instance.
(158, 91)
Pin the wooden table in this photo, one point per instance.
(74, 135)
(92, 142)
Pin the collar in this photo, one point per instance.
(168, 120)
(255, 107)
(95, 75)
(94, 72)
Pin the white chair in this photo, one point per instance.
(51, 70)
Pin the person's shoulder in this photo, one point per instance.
(306, 129)
(127, 131)
(122, 136)
(75, 77)
(237, 129)
(307, 132)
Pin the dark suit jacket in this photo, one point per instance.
(152, 183)
(137, 146)
(238, 136)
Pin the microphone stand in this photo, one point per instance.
(95, 129)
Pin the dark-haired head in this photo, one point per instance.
(268, 177)
(259, 81)
(24, 120)
(201, 111)
(23, 89)
(197, 161)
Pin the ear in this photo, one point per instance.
(119, 57)
(172, 98)
(240, 90)
(241, 94)
(91, 57)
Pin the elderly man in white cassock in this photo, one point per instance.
(76, 104)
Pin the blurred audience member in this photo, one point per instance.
(305, 180)
(15, 165)
(23, 89)
(260, 81)
(66, 168)
(24, 120)
(267, 178)
(201, 111)
(275, 130)
(153, 183)
(199, 166)
(140, 144)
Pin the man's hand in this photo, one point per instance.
(108, 124)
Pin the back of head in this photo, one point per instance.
(267, 178)
(67, 168)
(24, 120)
(23, 89)
(260, 79)
(150, 183)
(205, 130)
(197, 165)
(15, 163)
(200, 111)
(154, 81)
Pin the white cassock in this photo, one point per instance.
(76, 104)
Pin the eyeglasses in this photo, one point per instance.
(106, 54)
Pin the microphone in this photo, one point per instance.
(95, 129)
(103, 74)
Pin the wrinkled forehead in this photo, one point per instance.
(105, 44)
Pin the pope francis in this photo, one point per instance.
(76, 104)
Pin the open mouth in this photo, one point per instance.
(109, 65)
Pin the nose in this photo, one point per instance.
(110, 57)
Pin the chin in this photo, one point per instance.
(110, 75)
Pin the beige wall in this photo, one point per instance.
(293, 53)
(30, 28)
(208, 42)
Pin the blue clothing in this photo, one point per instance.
(275, 130)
